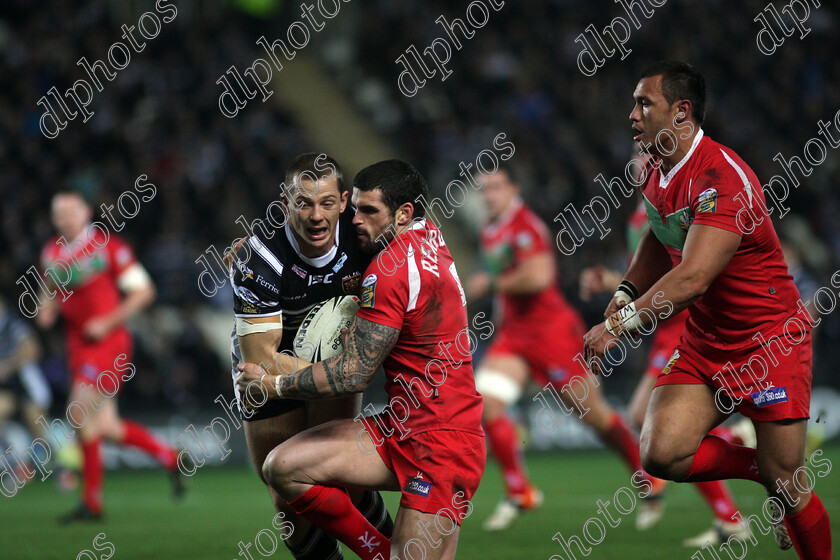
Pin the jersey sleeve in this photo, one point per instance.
(120, 255)
(529, 237)
(384, 296)
(251, 298)
(717, 195)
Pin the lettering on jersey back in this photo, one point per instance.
(429, 252)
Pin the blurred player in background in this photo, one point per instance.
(537, 337)
(23, 388)
(712, 248)
(431, 447)
(278, 276)
(109, 286)
(599, 280)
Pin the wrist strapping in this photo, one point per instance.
(277, 383)
(626, 292)
(624, 321)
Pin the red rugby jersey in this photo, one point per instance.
(712, 186)
(516, 235)
(413, 286)
(96, 260)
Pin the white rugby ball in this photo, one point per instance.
(319, 335)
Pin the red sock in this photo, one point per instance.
(623, 441)
(726, 434)
(716, 493)
(717, 460)
(138, 436)
(330, 509)
(505, 447)
(92, 475)
(810, 531)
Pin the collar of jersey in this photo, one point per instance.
(665, 179)
(317, 262)
(506, 216)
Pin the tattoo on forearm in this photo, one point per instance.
(368, 344)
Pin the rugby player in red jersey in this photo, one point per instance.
(599, 279)
(537, 336)
(712, 248)
(428, 443)
(109, 286)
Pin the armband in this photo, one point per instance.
(625, 321)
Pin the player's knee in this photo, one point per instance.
(277, 468)
(657, 458)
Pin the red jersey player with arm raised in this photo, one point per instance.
(428, 443)
(712, 249)
(537, 336)
(108, 286)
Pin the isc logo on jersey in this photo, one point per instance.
(368, 290)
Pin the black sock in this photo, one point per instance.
(317, 545)
(372, 506)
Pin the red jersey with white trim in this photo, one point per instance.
(516, 235)
(413, 286)
(95, 260)
(712, 186)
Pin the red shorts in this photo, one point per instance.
(549, 348)
(438, 470)
(665, 340)
(102, 363)
(748, 379)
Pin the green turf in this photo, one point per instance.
(228, 505)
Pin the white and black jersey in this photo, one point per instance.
(278, 280)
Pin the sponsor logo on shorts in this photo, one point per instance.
(707, 201)
(674, 357)
(368, 290)
(418, 487)
(770, 396)
(557, 374)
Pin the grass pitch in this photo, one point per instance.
(227, 505)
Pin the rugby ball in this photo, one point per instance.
(319, 335)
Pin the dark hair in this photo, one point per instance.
(511, 174)
(681, 81)
(399, 183)
(314, 165)
(73, 192)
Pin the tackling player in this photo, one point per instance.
(538, 337)
(428, 442)
(278, 277)
(712, 248)
(109, 286)
(715, 492)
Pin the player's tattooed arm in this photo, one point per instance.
(365, 348)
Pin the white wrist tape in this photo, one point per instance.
(622, 298)
(277, 383)
(624, 321)
(245, 327)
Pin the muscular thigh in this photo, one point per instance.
(264, 435)
(332, 454)
(678, 416)
(424, 535)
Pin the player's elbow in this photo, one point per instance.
(695, 283)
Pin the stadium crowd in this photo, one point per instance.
(518, 74)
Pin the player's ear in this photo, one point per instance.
(345, 197)
(683, 111)
(404, 214)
